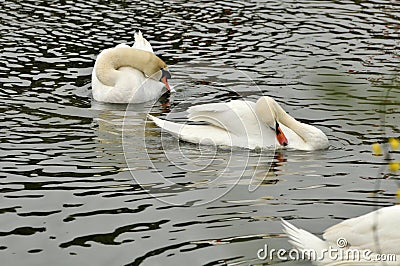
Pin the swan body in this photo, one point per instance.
(246, 124)
(359, 235)
(125, 74)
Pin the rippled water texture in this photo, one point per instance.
(70, 167)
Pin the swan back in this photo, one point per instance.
(230, 124)
(231, 116)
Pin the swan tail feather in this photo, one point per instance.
(141, 43)
(171, 127)
(309, 244)
(202, 134)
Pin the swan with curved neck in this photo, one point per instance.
(129, 74)
(246, 124)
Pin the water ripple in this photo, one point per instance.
(66, 183)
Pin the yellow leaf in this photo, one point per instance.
(394, 143)
(394, 166)
(398, 193)
(377, 150)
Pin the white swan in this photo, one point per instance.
(372, 234)
(126, 74)
(246, 124)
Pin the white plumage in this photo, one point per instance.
(377, 232)
(131, 84)
(245, 124)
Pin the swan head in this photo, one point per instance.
(266, 110)
(163, 75)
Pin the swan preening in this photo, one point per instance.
(246, 124)
(371, 239)
(126, 74)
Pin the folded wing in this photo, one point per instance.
(236, 117)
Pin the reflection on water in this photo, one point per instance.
(67, 191)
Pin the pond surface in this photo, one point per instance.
(85, 183)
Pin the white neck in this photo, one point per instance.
(312, 137)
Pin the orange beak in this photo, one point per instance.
(280, 136)
(164, 80)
